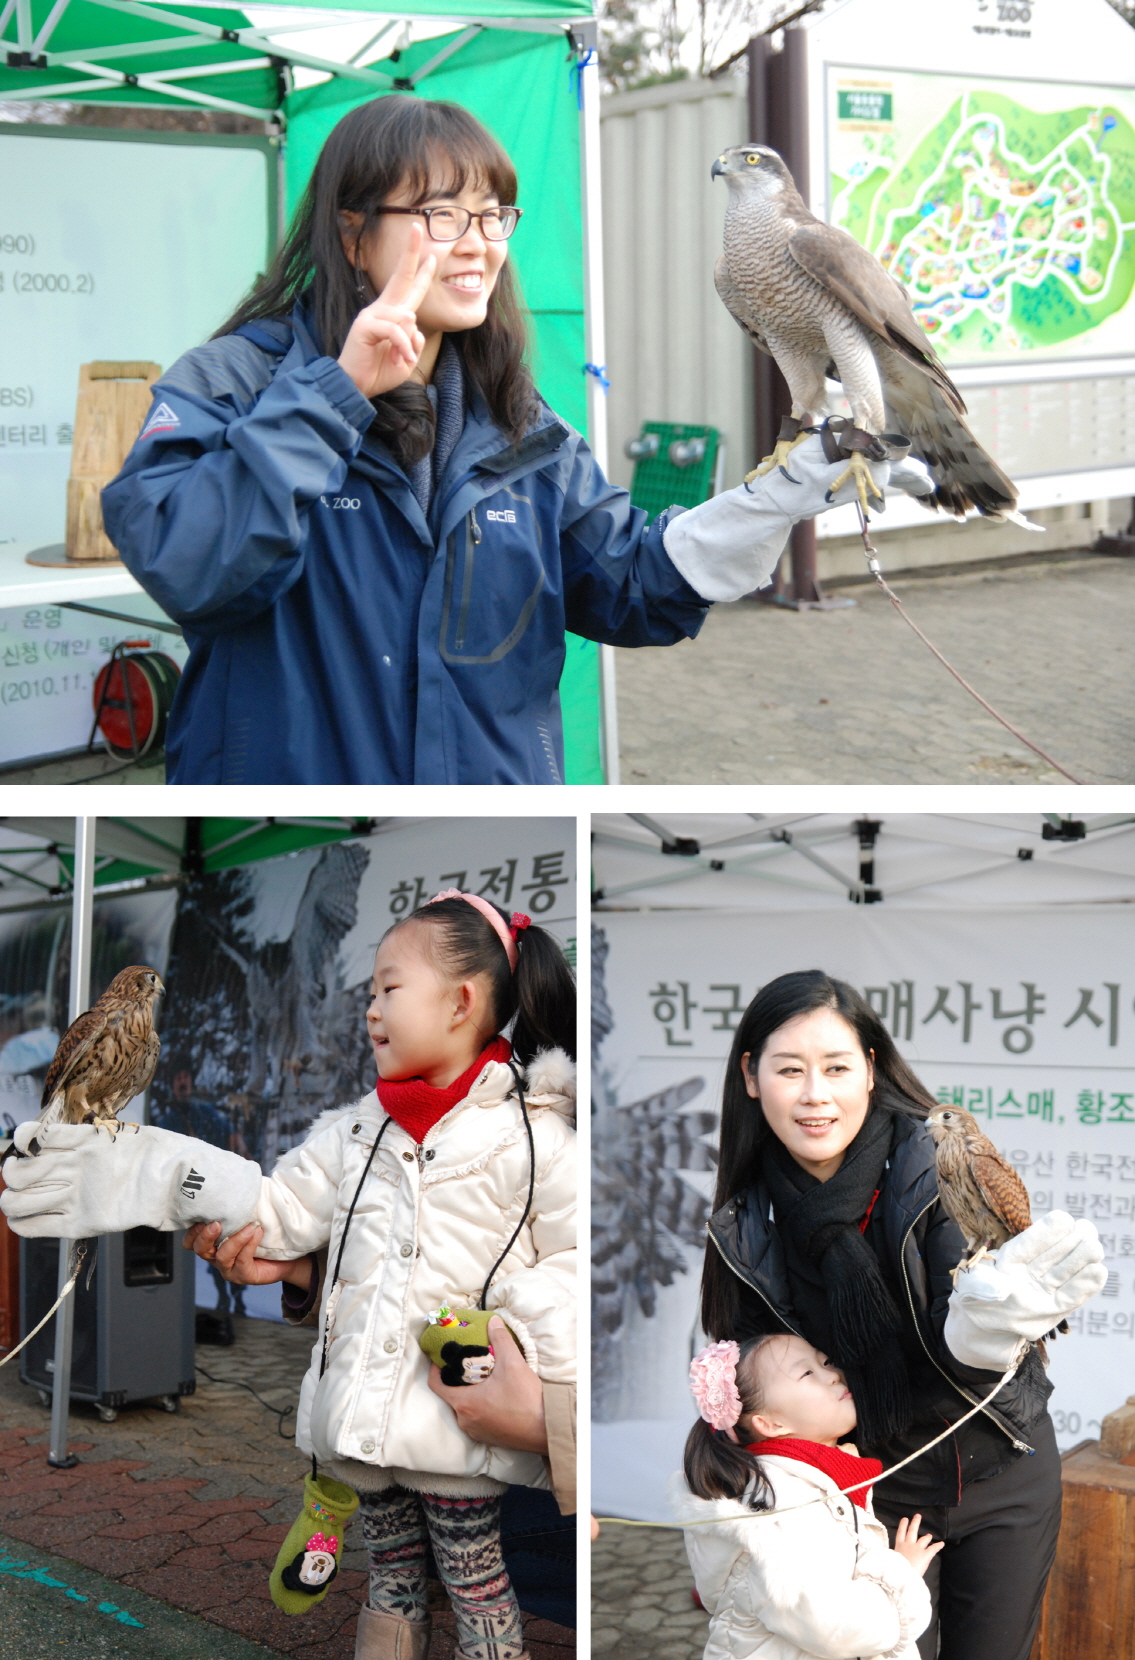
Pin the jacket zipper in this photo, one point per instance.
(472, 540)
(1022, 1446)
(733, 1270)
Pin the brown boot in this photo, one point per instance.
(387, 1637)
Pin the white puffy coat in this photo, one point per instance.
(816, 1582)
(429, 1224)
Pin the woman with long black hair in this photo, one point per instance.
(827, 1223)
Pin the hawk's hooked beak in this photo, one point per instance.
(719, 168)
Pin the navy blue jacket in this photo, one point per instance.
(336, 634)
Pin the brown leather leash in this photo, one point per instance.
(874, 567)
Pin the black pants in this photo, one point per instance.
(988, 1583)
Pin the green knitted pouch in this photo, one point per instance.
(309, 1557)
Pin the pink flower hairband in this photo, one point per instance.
(506, 932)
(713, 1383)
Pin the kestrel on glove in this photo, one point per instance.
(107, 1056)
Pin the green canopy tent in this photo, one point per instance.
(526, 69)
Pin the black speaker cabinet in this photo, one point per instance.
(133, 1326)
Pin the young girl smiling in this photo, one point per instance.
(817, 1577)
(452, 1183)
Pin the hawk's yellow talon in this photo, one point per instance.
(782, 449)
(858, 470)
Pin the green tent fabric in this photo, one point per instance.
(519, 82)
(86, 27)
(540, 131)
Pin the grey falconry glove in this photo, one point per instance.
(76, 1181)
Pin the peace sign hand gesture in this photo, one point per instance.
(385, 343)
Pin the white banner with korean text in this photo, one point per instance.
(1024, 1017)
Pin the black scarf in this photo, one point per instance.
(837, 1284)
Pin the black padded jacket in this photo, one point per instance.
(917, 1245)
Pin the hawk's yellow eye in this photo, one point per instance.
(753, 161)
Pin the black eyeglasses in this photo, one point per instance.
(448, 224)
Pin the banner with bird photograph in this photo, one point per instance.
(1023, 1018)
(269, 975)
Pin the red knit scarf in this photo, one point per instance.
(844, 1468)
(418, 1106)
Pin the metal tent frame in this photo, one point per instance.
(637, 856)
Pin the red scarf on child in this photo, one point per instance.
(418, 1106)
(843, 1467)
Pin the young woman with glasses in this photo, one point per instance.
(372, 529)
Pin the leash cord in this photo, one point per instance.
(874, 567)
(822, 1498)
(80, 1253)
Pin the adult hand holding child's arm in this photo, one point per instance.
(235, 1258)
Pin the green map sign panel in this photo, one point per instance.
(1003, 207)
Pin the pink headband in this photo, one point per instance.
(713, 1382)
(505, 933)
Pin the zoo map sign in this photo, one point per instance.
(1003, 207)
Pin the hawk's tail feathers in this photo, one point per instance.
(964, 475)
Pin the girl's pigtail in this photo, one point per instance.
(545, 997)
(717, 1468)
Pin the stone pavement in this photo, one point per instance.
(47, 1604)
(771, 696)
(191, 1509)
(641, 1607)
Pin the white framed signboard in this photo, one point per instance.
(128, 246)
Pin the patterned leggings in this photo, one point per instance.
(465, 1535)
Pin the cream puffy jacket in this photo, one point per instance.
(429, 1224)
(820, 1582)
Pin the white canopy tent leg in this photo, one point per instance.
(586, 35)
(82, 926)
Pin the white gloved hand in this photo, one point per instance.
(729, 545)
(84, 1181)
(1022, 1292)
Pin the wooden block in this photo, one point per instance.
(1089, 1608)
(112, 405)
(1117, 1432)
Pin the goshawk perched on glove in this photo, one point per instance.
(817, 302)
(107, 1056)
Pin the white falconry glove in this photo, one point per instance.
(729, 545)
(1023, 1291)
(84, 1181)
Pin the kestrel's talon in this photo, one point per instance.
(858, 470)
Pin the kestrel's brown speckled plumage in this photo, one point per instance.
(107, 1056)
(980, 1189)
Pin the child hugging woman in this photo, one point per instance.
(787, 1563)
(453, 1183)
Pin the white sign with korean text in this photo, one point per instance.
(1027, 1018)
(50, 658)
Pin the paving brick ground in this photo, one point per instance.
(769, 696)
(191, 1509)
(641, 1608)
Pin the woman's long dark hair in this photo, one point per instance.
(539, 997)
(716, 1467)
(399, 143)
(744, 1128)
